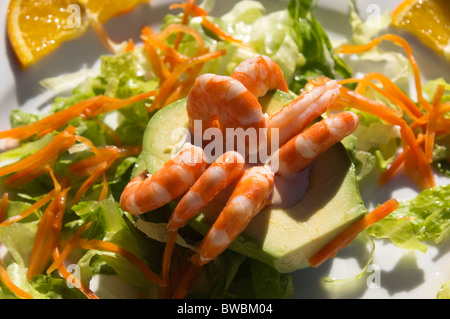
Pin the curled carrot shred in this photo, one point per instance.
(208, 24)
(47, 235)
(27, 212)
(417, 166)
(4, 206)
(35, 164)
(351, 49)
(55, 121)
(188, 278)
(345, 237)
(168, 86)
(72, 279)
(58, 261)
(6, 280)
(170, 245)
(130, 46)
(188, 8)
(90, 107)
(396, 164)
(389, 90)
(432, 122)
(96, 166)
(195, 10)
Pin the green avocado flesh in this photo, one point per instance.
(284, 238)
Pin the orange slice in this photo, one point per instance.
(102, 11)
(428, 20)
(36, 28)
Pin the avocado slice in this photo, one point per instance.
(284, 238)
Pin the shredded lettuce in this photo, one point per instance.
(315, 46)
(393, 64)
(418, 221)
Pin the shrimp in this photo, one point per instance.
(302, 150)
(222, 173)
(259, 75)
(249, 197)
(148, 192)
(223, 102)
(295, 116)
(232, 101)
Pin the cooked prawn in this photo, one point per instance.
(259, 75)
(302, 150)
(249, 197)
(148, 192)
(223, 102)
(222, 173)
(300, 112)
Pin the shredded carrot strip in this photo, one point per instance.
(422, 173)
(396, 91)
(72, 279)
(47, 235)
(361, 102)
(27, 212)
(167, 257)
(350, 49)
(103, 36)
(430, 132)
(397, 97)
(105, 188)
(34, 165)
(167, 87)
(157, 64)
(130, 46)
(110, 247)
(58, 261)
(56, 120)
(396, 164)
(345, 237)
(115, 137)
(90, 107)
(41, 157)
(4, 206)
(6, 280)
(196, 11)
(221, 33)
(186, 281)
(90, 181)
(184, 29)
(96, 166)
(115, 104)
(187, 12)
(170, 54)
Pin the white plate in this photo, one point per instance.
(395, 273)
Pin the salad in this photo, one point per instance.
(63, 170)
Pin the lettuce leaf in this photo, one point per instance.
(315, 46)
(418, 221)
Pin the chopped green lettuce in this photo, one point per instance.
(418, 221)
(390, 62)
(315, 46)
